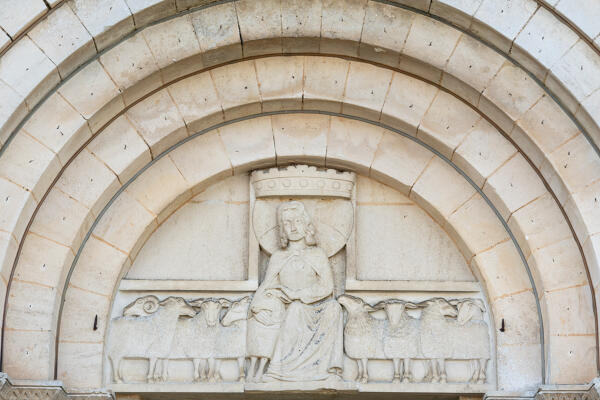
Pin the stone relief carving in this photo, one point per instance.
(299, 325)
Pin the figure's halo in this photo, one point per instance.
(332, 218)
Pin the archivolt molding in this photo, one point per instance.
(252, 102)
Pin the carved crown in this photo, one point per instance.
(302, 180)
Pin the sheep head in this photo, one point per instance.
(238, 310)
(179, 305)
(143, 306)
(356, 305)
(211, 308)
(441, 306)
(396, 309)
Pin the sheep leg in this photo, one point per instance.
(360, 370)
(163, 363)
(428, 374)
(151, 367)
(261, 369)
(482, 370)
(242, 374)
(251, 368)
(442, 367)
(120, 369)
(397, 370)
(199, 369)
(435, 370)
(407, 377)
(365, 374)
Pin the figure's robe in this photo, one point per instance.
(310, 342)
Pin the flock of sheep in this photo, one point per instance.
(155, 330)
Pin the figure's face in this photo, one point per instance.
(293, 225)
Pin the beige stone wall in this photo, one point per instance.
(524, 133)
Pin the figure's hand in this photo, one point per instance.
(283, 293)
(264, 317)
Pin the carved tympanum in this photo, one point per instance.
(294, 329)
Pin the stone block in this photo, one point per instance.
(482, 152)
(32, 354)
(300, 138)
(530, 224)
(62, 219)
(124, 223)
(502, 270)
(107, 24)
(249, 144)
(161, 188)
(147, 11)
(281, 80)
(577, 360)
(89, 181)
(58, 127)
(63, 38)
(341, 26)
(511, 91)
(121, 148)
(575, 76)
(158, 121)
(15, 20)
(402, 110)
(577, 164)
(324, 83)
(29, 164)
(197, 101)
(202, 161)
(131, 65)
(527, 146)
(384, 33)
(32, 309)
(352, 144)
(475, 227)
(301, 25)
(44, 261)
(583, 210)
(218, 33)
(366, 89)
(429, 42)
(17, 206)
(260, 26)
(513, 185)
(499, 21)
(237, 87)
(441, 128)
(101, 99)
(79, 364)
(26, 69)
(583, 14)
(82, 306)
(542, 42)
(97, 272)
(175, 47)
(470, 68)
(8, 251)
(519, 367)
(521, 319)
(399, 162)
(460, 12)
(558, 266)
(440, 190)
(4, 41)
(547, 125)
(12, 111)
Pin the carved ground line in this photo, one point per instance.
(221, 124)
(475, 109)
(388, 2)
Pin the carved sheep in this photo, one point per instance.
(470, 337)
(196, 338)
(363, 333)
(435, 336)
(137, 334)
(262, 335)
(231, 340)
(401, 338)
